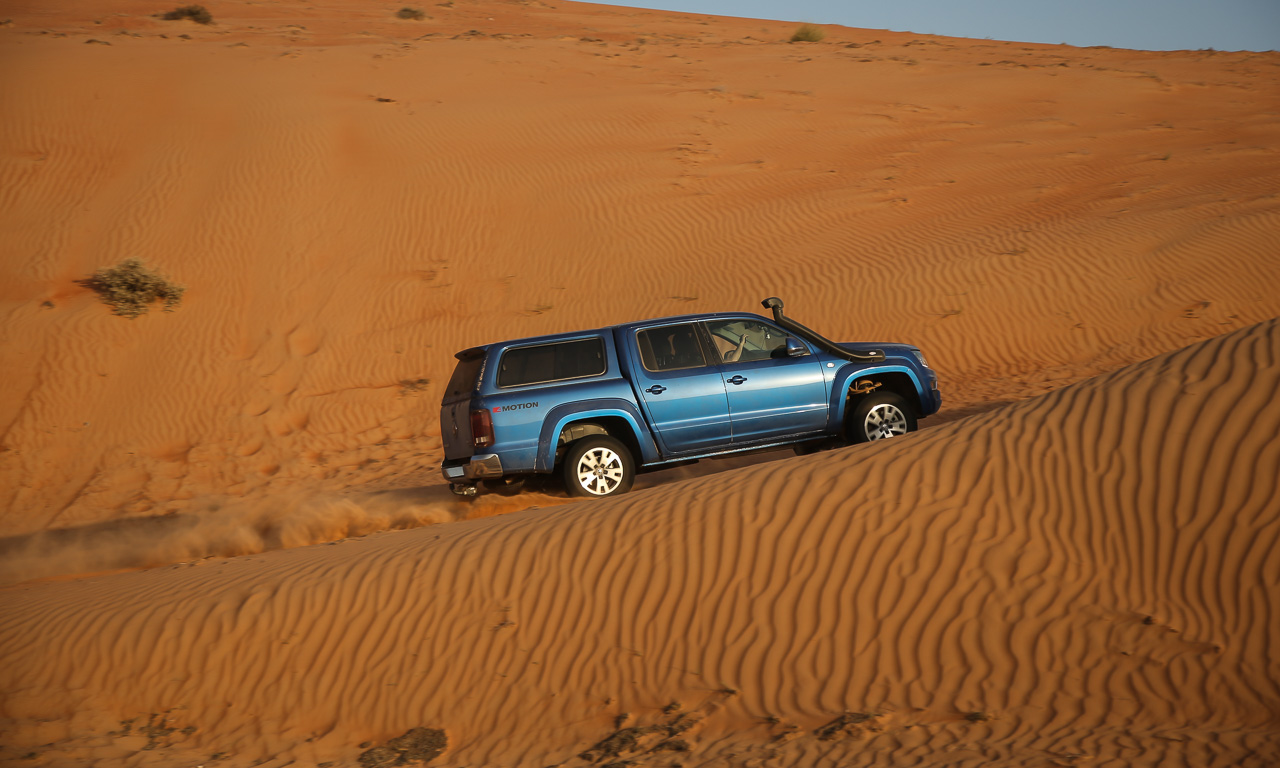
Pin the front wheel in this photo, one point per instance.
(880, 417)
(598, 466)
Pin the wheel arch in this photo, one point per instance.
(573, 421)
(616, 427)
(897, 379)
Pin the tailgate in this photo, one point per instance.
(455, 429)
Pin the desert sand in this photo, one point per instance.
(224, 537)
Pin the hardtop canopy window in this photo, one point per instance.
(670, 347)
(556, 361)
(464, 377)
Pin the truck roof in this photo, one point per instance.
(476, 351)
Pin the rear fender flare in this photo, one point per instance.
(562, 415)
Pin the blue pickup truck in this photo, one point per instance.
(596, 407)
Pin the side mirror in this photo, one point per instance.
(796, 348)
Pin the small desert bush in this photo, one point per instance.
(807, 33)
(197, 13)
(414, 14)
(130, 288)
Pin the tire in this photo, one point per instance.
(507, 486)
(598, 466)
(879, 416)
(809, 448)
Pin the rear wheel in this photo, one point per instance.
(598, 466)
(880, 416)
(511, 485)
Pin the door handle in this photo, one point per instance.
(737, 380)
(656, 389)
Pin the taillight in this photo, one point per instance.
(481, 429)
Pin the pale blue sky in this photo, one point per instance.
(1157, 25)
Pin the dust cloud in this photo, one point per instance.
(222, 529)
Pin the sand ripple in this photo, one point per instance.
(1083, 575)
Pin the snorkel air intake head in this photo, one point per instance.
(774, 303)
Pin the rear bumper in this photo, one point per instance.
(473, 468)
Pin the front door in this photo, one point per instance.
(682, 392)
(772, 396)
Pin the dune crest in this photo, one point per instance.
(1080, 576)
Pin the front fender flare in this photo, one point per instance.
(840, 386)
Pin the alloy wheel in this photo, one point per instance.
(884, 421)
(600, 471)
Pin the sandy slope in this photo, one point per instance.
(1087, 577)
(1083, 572)
(350, 198)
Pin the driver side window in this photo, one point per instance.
(741, 341)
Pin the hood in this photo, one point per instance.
(890, 348)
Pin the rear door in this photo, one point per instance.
(455, 408)
(771, 396)
(681, 389)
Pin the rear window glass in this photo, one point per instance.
(463, 380)
(551, 362)
(670, 348)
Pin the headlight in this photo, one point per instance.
(920, 357)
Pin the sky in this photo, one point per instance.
(1156, 25)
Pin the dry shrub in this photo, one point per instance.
(197, 13)
(414, 14)
(130, 288)
(807, 33)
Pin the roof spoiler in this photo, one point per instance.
(472, 353)
(774, 303)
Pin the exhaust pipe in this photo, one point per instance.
(465, 490)
(774, 303)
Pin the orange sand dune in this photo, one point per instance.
(350, 197)
(1075, 563)
(1083, 578)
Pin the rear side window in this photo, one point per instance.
(670, 348)
(551, 362)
